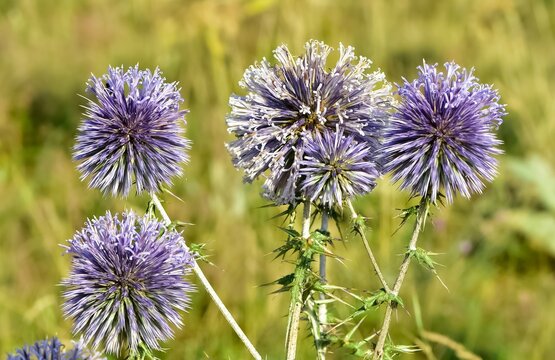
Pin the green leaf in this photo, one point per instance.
(286, 283)
(359, 224)
(424, 258)
(405, 215)
(382, 297)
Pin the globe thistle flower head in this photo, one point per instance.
(296, 98)
(441, 139)
(336, 168)
(126, 285)
(52, 349)
(131, 132)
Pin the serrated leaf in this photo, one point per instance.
(405, 215)
(423, 258)
(382, 297)
(290, 232)
(285, 282)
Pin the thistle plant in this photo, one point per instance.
(336, 168)
(296, 98)
(441, 141)
(127, 285)
(53, 349)
(131, 132)
(314, 134)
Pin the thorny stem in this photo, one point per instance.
(296, 304)
(198, 271)
(369, 250)
(420, 220)
(322, 309)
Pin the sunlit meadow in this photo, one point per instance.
(497, 249)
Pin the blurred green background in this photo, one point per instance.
(498, 249)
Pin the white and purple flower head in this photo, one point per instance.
(289, 102)
(52, 349)
(336, 168)
(131, 131)
(127, 282)
(441, 140)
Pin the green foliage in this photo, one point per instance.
(382, 297)
(498, 246)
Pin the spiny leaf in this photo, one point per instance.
(285, 282)
(405, 215)
(382, 297)
(292, 244)
(392, 350)
(289, 212)
(176, 224)
(359, 224)
(424, 258)
(198, 250)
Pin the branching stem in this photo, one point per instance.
(369, 250)
(322, 309)
(420, 220)
(206, 284)
(296, 304)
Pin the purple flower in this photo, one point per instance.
(442, 137)
(336, 168)
(127, 284)
(294, 99)
(52, 349)
(131, 132)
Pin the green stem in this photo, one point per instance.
(296, 305)
(369, 250)
(206, 284)
(420, 220)
(322, 308)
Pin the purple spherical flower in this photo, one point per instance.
(126, 284)
(442, 136)
(294, 99)
(336, 168)
(131, 131)
(52, 349)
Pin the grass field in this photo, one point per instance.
(498, 249)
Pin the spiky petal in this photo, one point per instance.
(336, 168)
(442, 137)
(294, 99)
(131, 131)
(127, 282)
(52, 349)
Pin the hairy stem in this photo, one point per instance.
(206, 284)
(420, 220)
(322, 308)
(296, 305)
(369, 250)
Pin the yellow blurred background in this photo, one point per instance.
(498, 249)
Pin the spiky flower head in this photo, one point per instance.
(127, 282)
(336, 167)
(289, 102)
(131, 132)
(52, 349)
(442, 138)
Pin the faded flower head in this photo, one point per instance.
(336, 168)
(131, 131)
(442, 136)
(295, 99)
(52, 349)
(126, 284)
